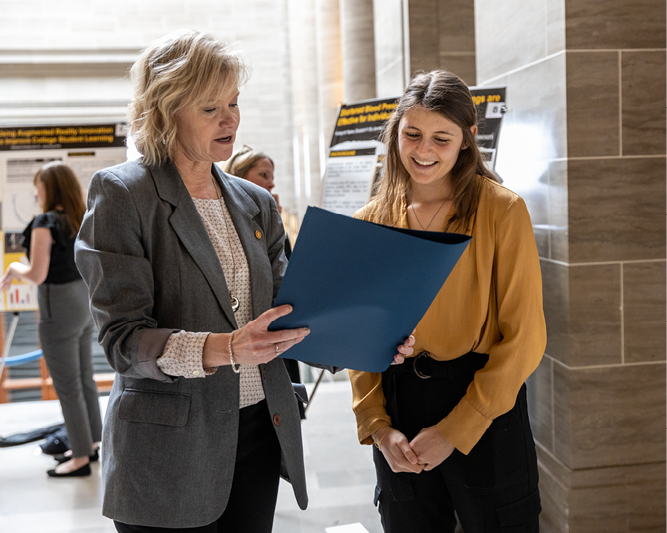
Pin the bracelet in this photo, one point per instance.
(231, 356)
(379, 444)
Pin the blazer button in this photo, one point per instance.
(258, 234)
(277, 420)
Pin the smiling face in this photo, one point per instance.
(206, 132)
(429, 145)
(261, 173)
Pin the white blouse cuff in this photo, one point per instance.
(182, 355)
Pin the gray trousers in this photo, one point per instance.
(65, 332)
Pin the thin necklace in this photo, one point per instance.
(233, 300)
(436, 214)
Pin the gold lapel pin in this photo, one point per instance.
(258, 234)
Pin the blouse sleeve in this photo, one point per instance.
(182, 355)
(368, 404)
(521, 323)
(43, 220)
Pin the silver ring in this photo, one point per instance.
(277, 349)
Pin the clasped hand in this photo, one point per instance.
(425, 452)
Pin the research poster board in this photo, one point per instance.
(356, 153)
(490, 102)
(23, 151)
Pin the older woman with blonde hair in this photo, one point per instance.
(182, 263)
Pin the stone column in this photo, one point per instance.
(358, 44)
(583, 142)
(442, 34)
(390, 41)
(330, 75)
(305, 102)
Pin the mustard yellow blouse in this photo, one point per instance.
(491, 303)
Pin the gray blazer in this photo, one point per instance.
(169, 445)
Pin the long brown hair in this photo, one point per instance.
(62, 189)
(445, 93)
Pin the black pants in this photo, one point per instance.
(252, 501)
(492, 489)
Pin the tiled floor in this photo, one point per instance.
(340, 474)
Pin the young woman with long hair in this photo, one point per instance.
(450, 424)
(65, 322)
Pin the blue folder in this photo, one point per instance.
(361, 287)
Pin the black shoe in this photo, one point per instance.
(79, 472)
(62, 458)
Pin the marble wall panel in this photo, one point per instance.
(424, 35)
(556, 293)
(598, 510)
(358, 44)
(535, 124)
(389, 62)
(644, 311)
(577, 500)
(595, 315)
(646, 504)
(461, 65)
(555, 26)
(456, 20)
(540, 407)
(643, 102)
(531, 182)
(609, 416)
(553, 495)
(582, 312)
(330, 65)
(616, 209)
(592, 104)
(615, 24)
(558, 212)
(389, 82)
(508, 35)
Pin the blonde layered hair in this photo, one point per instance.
(446, 94)
(243, 160)
(183, 69)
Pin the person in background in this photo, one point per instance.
(451, 425)
(183, 263)
(65, 323)
(257, 168)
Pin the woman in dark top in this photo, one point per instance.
(65, 323)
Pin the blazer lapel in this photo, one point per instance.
(187, 224)
(243, 211)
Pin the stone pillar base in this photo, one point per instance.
(619, 499)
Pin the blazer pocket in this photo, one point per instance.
(154, 407)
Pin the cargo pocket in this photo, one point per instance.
(154, 407)
(521, 516)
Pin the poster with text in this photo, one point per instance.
(23, 151)
(490, 102)
(354, 155)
